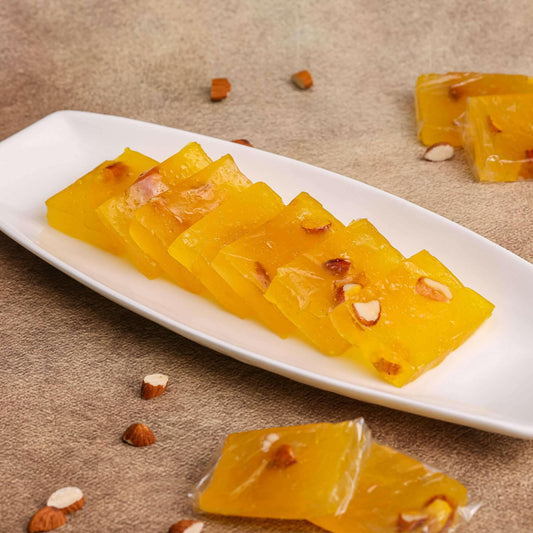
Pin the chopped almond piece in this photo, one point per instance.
(220, 87)
(302, 79)
(246, 142)
(283, 457)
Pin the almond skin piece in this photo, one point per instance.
(283, 457)
(186, 526)
(439, 152)
(153, 385)
(492, 125)
(138, 435)
(262, 275)
(433, 290)
(367, 313)
(46, 519)
(67, 499)
(302, 79)
(337, 265)
(308, 227)
(387, 367)
(220, 88)
(243, 141)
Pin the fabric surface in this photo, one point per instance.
(72, 361)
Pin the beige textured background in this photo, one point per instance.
(72, 361)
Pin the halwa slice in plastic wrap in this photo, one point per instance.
(409, 321)
(73, 210)
(498, 137)
(196, 247)
(163, 218)
(441, 100)
(294, 472)
(308, 288)
(117, 212)
(251, 262)
(396, 493)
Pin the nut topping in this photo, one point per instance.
(262, 275)
(439, 152)
(115, 171)
(367, 313)
(153, 385)
(138, 435)
(338, 265)
(411, 520)
(493, 126)
(387, 367)
(283, 457)
(433, 290)
(220, 87)
(46, 519)
(243, 141)
(345, 291)
(309, 227)
(454, 92)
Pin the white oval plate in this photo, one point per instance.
(486, 383)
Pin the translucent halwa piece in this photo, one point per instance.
(395, 493)
(73, 210)
(441, 100)
(162, 219)
(308, 288)
(117, 212)
(291, 472)
(196, 247)
(251, 262)
(498, 137)
(423, 312)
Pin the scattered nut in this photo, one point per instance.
(454, 92)
(243, 141)
(433, 290)
(67, 499)
(270, 439)
(186, 526)
(309, 226)
(439, 152)
(262, 275)
(302, 79)
(138, 435)
(46, 519)
(387, 367)
(441, 511)
(220, 87)
(411, 520)
(345, 291)
(153, 385)
(493, 126)
(283, 457)
(367, 313)
(338, 265)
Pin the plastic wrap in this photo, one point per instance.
(335, 476)
(498, 137)
(441, 100)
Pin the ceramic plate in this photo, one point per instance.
(486, 383)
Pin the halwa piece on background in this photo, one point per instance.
(73, 210)
(196, 247)
(441, 100)
(407, 322)
(294, 472)
(250, 263)
(308, 288)
(498, 137)
(163, 218)
(395, 493)
(117, 212)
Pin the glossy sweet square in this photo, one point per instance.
(196, 247)
(163, 218)
(498, 137)
(407, 322)
(308, 288)
(395, 494)
(73, 210)
(251, 262)
(441, 100)
(289, 472)
(117, 213)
